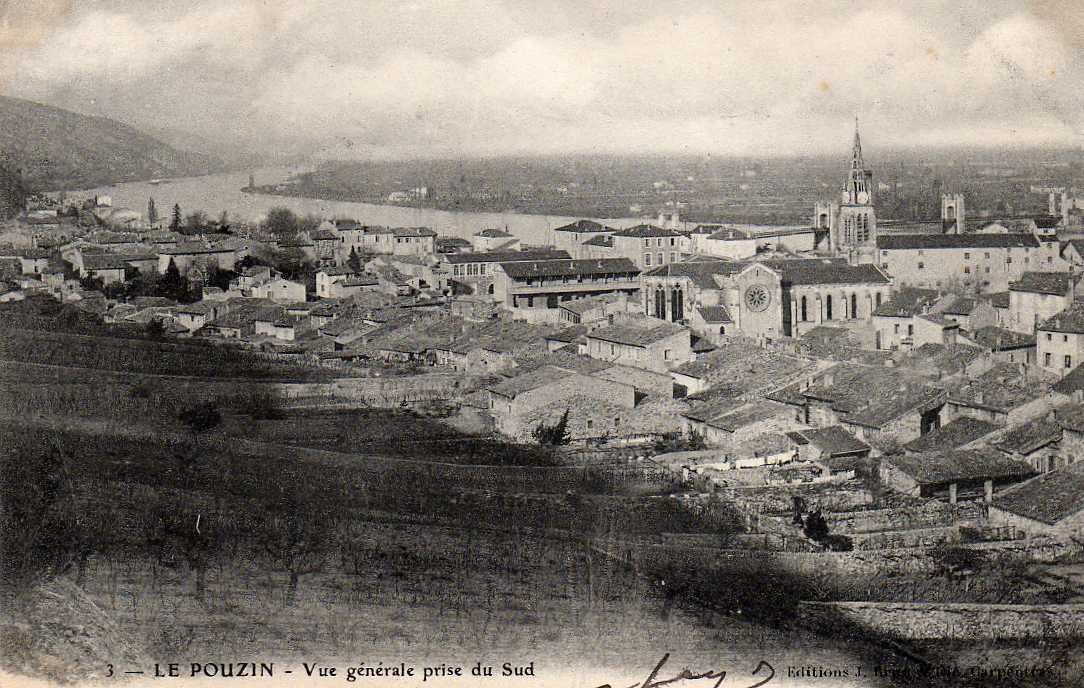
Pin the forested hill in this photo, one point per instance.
(59, 149)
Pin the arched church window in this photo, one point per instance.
(805, 311)
(854, 306)
(828, 308)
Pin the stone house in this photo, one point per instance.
(1051, 504)
(1038, 296)
(952, 475)
(642, 342)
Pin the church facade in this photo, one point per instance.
(851, 222)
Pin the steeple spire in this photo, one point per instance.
(856, 154)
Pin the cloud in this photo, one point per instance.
(488, 77)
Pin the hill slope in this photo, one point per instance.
(57, 149)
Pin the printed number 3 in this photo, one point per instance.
(109, 669)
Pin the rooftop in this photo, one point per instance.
(1000, 339)
(833, 440)
(568, 268)
(955, 241)
(1048, 498)
(640, 334)
(1072, 382)
(1026, 438)
(505, 256)
(1069, 321)
(907, 302)
(826, 271)
(1001, 388)
(526, 382)
(493, 233)
(999, 299)
(935, 468)
(1056, 283)
(961, 431)
(714, 314)
(584, 226)
(645, 231)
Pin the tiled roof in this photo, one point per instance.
(730, 235)
(1071, 417)
(632, 335)
(602, 240)
(1072, 382)
(961, 305)
(581, 306)
(961, 431)
(560, 268)
(1048, 498)
(955, 241)
(584, 226)
(505, 256)
(834, 440)
(1070, 320)
(747, 415)
(825, 271)
(701, 272)
(1000, 339)
(645, 231)
(529, 381)
(1046, 221)
(1057, 283)
(907, 302)
(962, 464)
(999, 299)
(493, 233)
(1026, 438)
(568, 334)
(414, 232)
(714, 314)
(194, 249)
(104, 261)
(325, 235)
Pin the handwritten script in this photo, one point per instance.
(653, 680)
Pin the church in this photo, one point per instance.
(851, 222)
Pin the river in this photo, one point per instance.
(217, 192)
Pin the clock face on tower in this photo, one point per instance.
(757, 298)
(863, 196)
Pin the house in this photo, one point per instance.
(326, 244)
(477, 270)
(1037, 296)
(1002, 345)
(326, 277)
(729, 243)
(571, 237)
(280, 290)
(187, 256)
(648, 246)
(970, 312)
(954, 474)
(1036, 442)
(838, 450)
(110, 268)
(512, 400)
(1051, 504)
(597, 309)
(723, 421)
(417, 241)
(1060, 340)
(1002, 395)
(450, 244)
(528, 287)
(873, 403)
(956, 434)
(494, 240)
(980, 261)
(711, 323)
(894, 320)
(742, 368)
(195, 315)
(642, 342)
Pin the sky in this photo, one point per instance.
(410, 79)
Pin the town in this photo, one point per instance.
(867, 395)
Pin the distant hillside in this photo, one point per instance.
(12, 193)
(57, 149)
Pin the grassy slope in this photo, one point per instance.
(57, 148)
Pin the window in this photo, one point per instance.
(967, 256)
(987, 269)
(805, 312)
(617, 421)
(658, 242)
(589, 423)
(896, 328)
(1046, 359)
(884, 253)
(660, 257)
(921, 265)
(647, 259)
(482, 268)
(1050, 259)
(1065, 338)
(967, 269)
(920, 252)
(530, 302)
(1008, 260)
(854, 306)
(666, 355)
(1068, 361)
(673, 257)
(671, 241)
(884, 266)
(878, 299)
(987, 255)
(1026, 260)
(647, 243)
(1049, 336)
(828, 308)
(612, 352)
(910, 330)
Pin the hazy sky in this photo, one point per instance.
(489, 77)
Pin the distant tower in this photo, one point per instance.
(952, 213)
